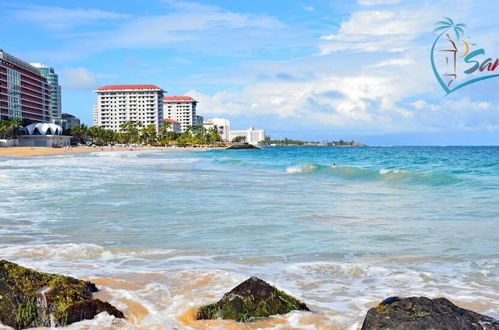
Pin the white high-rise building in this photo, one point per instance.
(251, 135)
(118, 104)
(183, 110)
(220, 124)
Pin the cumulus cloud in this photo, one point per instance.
(373, 75)
(78, 79)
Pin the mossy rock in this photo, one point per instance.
(416, 313)
(250, 300)
(29, 298)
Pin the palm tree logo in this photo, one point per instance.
(443, 26)
(446, 27)
(453, 34)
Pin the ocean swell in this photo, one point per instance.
(364, 174)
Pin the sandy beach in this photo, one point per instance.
(44, 151)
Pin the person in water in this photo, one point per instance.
(334, 165)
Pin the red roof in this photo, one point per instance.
(178, 98)
(173, 121)
(109, 87)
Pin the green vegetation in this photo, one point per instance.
(136, 133)
(239, 139)
(9, 128)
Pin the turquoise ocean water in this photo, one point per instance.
(165, 231)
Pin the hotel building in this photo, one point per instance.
(252, 136)
(118, 104)
(24, 93)
(221, 125)
(55, 90)
(183, 110)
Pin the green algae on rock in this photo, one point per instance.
(252, 299)
(29, 298)
(416, 313)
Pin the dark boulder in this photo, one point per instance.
(87, 309)
(417, 313)
(239, 146)
(254, 298)
(34, 299)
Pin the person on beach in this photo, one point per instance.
(334, 165)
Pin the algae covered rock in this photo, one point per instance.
(254, 298)
(424, 313)
(33, 299)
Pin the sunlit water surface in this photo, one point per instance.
(162, 232)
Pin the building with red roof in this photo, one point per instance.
(24, 92)
(118, 104)
(128, 87)
(173, 125)
(183, 110)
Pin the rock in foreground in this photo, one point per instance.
(33, 299)
(416, 313)
(254, 298)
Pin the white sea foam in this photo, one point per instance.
(301, 169)
(339, 292)
(388, 171)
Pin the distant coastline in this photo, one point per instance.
(301, 143)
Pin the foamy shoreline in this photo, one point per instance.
(45, 151)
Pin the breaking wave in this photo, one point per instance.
(364, 174)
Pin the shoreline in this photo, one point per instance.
(47, 151)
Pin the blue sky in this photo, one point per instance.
(319, 70)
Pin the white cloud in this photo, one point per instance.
(78, 79)
(182, 26)
(310, 9)
(57, 18)
(377, 2)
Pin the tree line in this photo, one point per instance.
(136, 133)
(9, 128)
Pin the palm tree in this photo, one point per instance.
(4, 127)
(130, 130)
(163, 133)
(212, 135)
(9, 128)
(448, 23)
(148, 134)
(79, 133)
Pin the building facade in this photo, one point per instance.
(183, 110)
(55, 90)
(251, 135)
(24, 93)
(221, 125)
(69, 121)
(174, 126)
(118, 104)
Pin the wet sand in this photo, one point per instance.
(44, 151)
